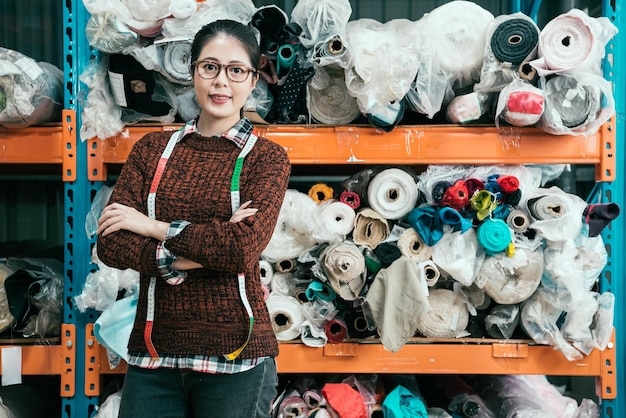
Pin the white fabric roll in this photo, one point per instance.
(392, 193)
(267, 272)
(282, 284)
(335, 220)
(177, 59)
(286, 315)
(312, 335)
(429, 272)
(573, 41)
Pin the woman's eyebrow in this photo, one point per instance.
(219, 62)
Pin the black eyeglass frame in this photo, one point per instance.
(250, 70)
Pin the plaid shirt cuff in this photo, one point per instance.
(165, 258)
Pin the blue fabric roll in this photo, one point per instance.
(494, 236)
(426, 221)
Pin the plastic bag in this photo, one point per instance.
(321, 20)
(459, 255)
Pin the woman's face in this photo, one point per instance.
(220, 98)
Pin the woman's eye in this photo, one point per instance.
(209, 66)
(237, 70)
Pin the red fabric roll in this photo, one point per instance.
(336, 330)
(351, 199)
(509, 184)
(456, 196)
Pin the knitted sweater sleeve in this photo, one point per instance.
(234, 247)
(124, 249)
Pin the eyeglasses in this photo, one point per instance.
(211, 69)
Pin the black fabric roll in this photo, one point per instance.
(574, 110)
(599, 215)
(387, 253)
(513, 40)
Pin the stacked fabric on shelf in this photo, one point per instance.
(455, 251)
(31, 92)
(457, 63)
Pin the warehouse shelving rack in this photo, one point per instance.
(81, 361)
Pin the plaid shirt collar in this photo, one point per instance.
(238, 134)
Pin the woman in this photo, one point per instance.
(202, 344)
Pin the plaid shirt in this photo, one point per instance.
(238, 134)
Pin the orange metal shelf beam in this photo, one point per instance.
(42, 145)
(52, 359)
(432, 357)
(419, 144)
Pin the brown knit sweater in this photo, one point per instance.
(204, 315)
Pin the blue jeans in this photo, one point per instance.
(174, 393)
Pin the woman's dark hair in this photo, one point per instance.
(244, 34)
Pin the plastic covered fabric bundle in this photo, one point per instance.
(573, 42)
(33, 91)
(455, 252)
(456, 32)
(396, 43)
(106, 33)
(511, 280)
(293, 233)
(511, 41)
(144, 17)
(328, 98)
(335, 221)
(556, 215)
(520, 104)
(177, 60)
(321, 20)
(576, 104)
(188, 16)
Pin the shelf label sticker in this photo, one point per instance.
(11, 366)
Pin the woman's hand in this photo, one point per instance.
(243, 212)
(116, 217)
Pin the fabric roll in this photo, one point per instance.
(455, 251)
(292, 406)
(429, 272)
(286, 315)
(401, 402)
(33, 90)
(494, 236)
(370, 228)
(411, 245)
(114, 325)
(320, 192)
(285, 57)
(392, 193)
(177, 60)
(106, 33)
(344, 266)
(398, 299)
(511, 280)
(320, 290)
(520, 104)
(573, 41)
(483, 202)
(547, 207)
(514, 40)
(358, 326)
(572, 101)
(350, 198)
(267, 272)
(518, 220)
(290, 102)
(467, 107)
(330, 51)
(456, 196)
(282, 283)
(335, 221)
(527, 73)
(328, 98)
(387, 253)
(299, 293)
(312, 335)
(285, 266)
(599, 215)
(448, 316)
(336, 330)
(6, 318)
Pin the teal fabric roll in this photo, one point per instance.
(494, 236)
